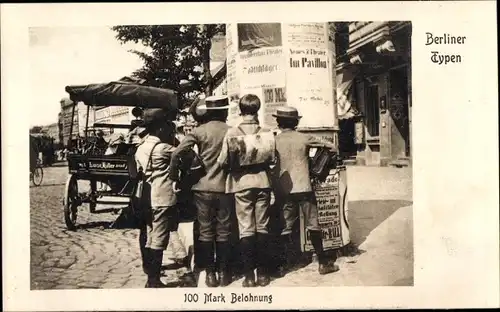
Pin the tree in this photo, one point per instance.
(36, 129)
(341, 32)
(178, 53)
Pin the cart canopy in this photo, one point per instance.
(123, 93)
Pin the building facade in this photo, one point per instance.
(65, 119)
(374, 93)
(107, 115)
(111, 115)
(52, 131)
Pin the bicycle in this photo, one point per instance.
(37, 175)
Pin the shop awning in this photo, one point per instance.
(345, 108)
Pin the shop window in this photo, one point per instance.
(372, 110)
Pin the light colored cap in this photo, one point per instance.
(215, 102)
(287, 112)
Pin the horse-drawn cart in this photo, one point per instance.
(117, 171)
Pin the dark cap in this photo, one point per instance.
(137, 112)
(287, 112)
(154, 116)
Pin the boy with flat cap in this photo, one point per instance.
(294, 185)
(209, 197)
(249, 181)
(160, 218)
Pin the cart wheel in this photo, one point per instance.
(71, 203)
(37, 176)
(93, 198)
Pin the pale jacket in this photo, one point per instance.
(157, 173)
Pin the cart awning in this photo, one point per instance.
(123, 93)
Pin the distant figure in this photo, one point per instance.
(136, 135)
(180, 134)
(33, 155)
(115, 142)
(65, 153)
(100, 141)
(50, 153)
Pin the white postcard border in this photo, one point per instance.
(455, 155)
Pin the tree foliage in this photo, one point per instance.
(341, 31)
(36, 129)
(177, 53)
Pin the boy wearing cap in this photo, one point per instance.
(294, 185)
(153, 155)
(252, 192)
(209, 197)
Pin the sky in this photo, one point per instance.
(61, 56)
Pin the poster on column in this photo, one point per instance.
(233, 84)
(307, 35)
(263, 67)
(262, 73)
(308, 76)
(273, 98)
(229, 37)
(232, 75)
(258, 35)
(233, 87)
(232, 61)
(331, 199)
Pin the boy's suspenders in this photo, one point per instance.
(257, 130)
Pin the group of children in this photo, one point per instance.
(245, 165)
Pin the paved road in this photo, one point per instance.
(385, 258)
(381, 228)
(95, 256)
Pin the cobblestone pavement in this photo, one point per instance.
(95, 256)
(381, 229)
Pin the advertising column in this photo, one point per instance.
(283, 64)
